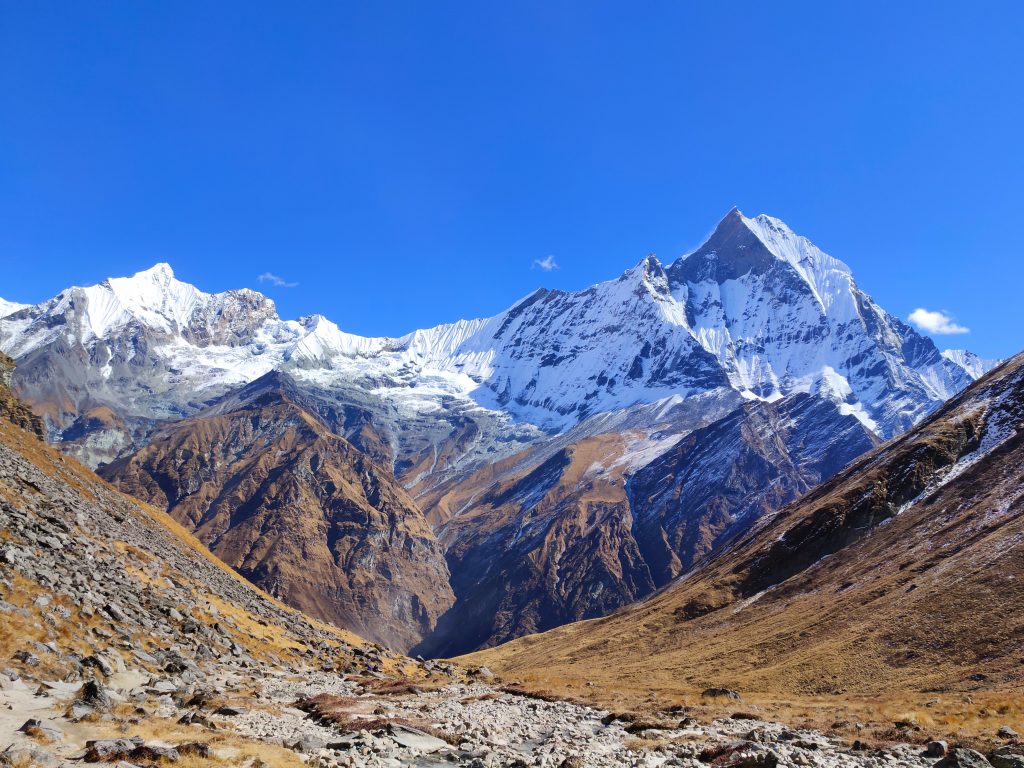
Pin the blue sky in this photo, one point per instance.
(411, 163)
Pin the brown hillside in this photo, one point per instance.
(300, 512)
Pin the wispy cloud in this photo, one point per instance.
(548, 263)
(280, 282)
(937, 322)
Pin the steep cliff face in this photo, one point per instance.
(718, 481)
(300, 512)
(597, 525)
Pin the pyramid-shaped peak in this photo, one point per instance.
(158, 272)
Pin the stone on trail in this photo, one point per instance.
(1010, 756)
(720, 693)
(961, 757)
(936, 749)
(413, 738)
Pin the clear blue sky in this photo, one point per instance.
(407, 162)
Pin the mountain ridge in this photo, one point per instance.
(710, 319)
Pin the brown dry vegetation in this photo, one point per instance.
(347, 714)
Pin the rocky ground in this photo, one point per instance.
(326, 719)
(123, 641)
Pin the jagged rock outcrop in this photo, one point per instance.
(11, 408)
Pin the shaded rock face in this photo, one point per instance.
(719, 480)
(578, 536)
(300, 512)
(11, 408)
(539, 550)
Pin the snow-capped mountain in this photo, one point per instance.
(975, 365)
(757, 310)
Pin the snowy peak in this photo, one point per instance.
(153, 296)
(973, 364)
(10, 307)
(732, 251)
(742, 246)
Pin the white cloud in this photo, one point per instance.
(280, 282)
(548, 263)
(939, 323)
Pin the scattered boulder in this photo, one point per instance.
(307, 744)
(231, 711)
(961, 757)
(94, 695)
(936, 749)
(1006, 732)
(18, 755)
(739, 754)
(46, 732)
(109, 750)
(1010, 756)
(413, 738)
(195, 749)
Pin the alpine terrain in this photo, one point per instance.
(469, 483)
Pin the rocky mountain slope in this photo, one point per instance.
(299, 511)
(901, 573)
(545, 445)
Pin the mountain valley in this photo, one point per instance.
(470, 483)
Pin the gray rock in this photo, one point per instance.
(231, 711)
(99, 662)
(26, 657)
(109, 750)
(307, 744)
(28, 754)
(961, 757)
(1006, 732)
(1010, 756)
(114, 611)
(38, 729)
(413, 738)
(936, 749)
(94, 695)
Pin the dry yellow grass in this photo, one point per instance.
(960, 718)
(228, 748)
